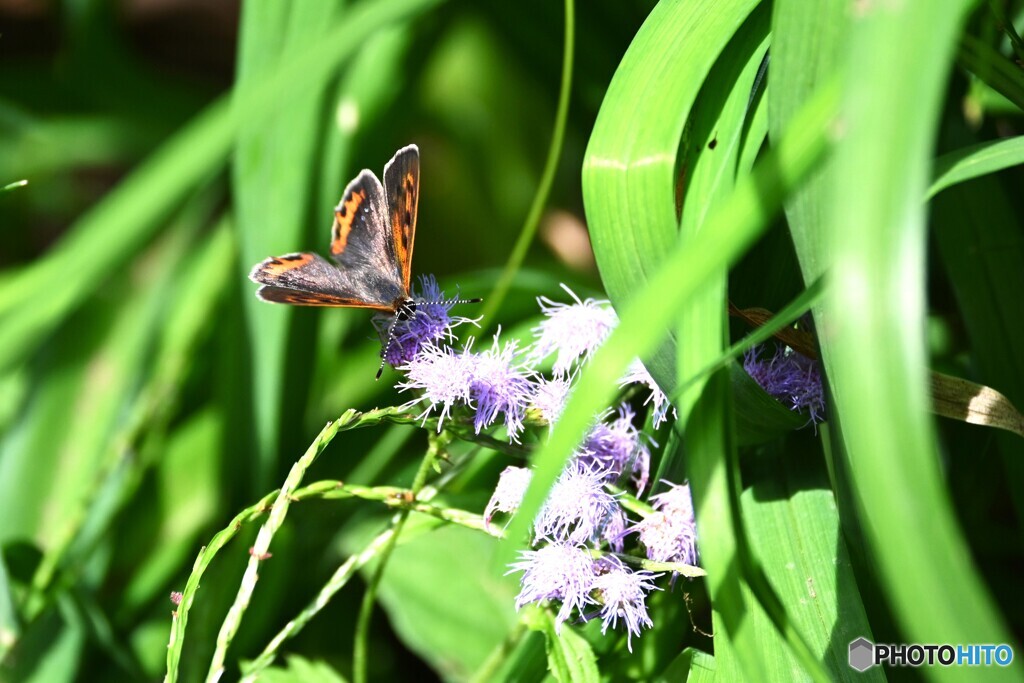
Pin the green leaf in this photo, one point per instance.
(465, 614)
(808, 39)
(629, 173)
(793, 525)
(570, 659)
(302, 670)
(273, 166)
(10, 627)
(989, 65)
(977, 160)
(759, 416)
(876, 359)
(703, 667)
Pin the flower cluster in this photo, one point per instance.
(790, 377)
(583, 522)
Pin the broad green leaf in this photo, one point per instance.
(808, 38)
(570, 659)
(875, 357)
(49, 650)
(794, 529)
(164, 537)
(9, 621)
(98, 367)
(467, 610)
(976, 229)
(302, 670)
(703, 667)
(629, 173)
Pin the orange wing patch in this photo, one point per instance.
(344, 215)
(403, 224)
(280, 265)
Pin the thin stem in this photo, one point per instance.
(515, 260)
(261, 547)
(274, 501)
(437, 444)
(337, 581)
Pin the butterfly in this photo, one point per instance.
(371, 249)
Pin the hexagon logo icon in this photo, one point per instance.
(862, 654)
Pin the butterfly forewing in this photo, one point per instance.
(307, 279)
(402, 189)
(360, 236)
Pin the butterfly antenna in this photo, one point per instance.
(460, 301)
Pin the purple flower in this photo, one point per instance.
(443, 376)
(430, 322)
(508, 494)
(558, 571)
(573, 330)
(676, 501)
(578, 508)
(549, 396)
(617, 448)
(791, 378)
(638, 374)
(670, 532)
(622, 593)
(499, 385)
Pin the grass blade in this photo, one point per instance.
(975, 161)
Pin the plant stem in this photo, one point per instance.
(515, 260)
(438, 442)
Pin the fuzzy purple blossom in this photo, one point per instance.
(558, 571)
(493, 383)
(617, 448)
(574, 331)
(444, 377)
(791, 378)
(622, 593)
(638, 374)
(669, 534)
(499, 385)
(509, 492)
(430, 322)
(549, 396)
(578, 508)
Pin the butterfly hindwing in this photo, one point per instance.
(307, 279)
(402, 191)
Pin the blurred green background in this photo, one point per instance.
(146, 396)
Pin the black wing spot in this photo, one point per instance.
(408, 218)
